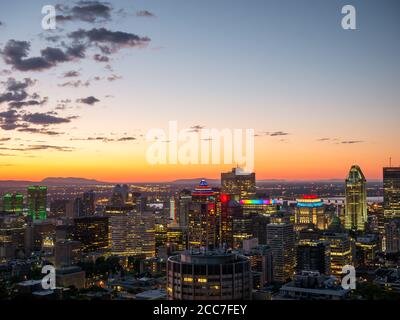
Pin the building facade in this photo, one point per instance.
(356, 200)
(211, 275)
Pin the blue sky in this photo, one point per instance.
(269, 65)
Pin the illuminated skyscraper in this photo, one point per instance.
(176, 237)
(203, 218)
(310, 210)
(37, 202)
(257, 215)
(356, 200)
(92, 232)
(239, 183)
(391, 192)
(13, 203)
(211, 275)
(340, 251)
(230, 212)
(392, 236)
(281, 239)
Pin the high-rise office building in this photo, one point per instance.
(261, 261)
(356, 200)
(67, 253)
(310, 211)
(182, 203)
(203, 218)
(37, 202)
(391, 191)
(341, 251)
(88, 203)
(13, 203)
(281, 239)
(132, 233)
(208, 275)
(12, 237)
(259, 213)
(392, 236)
(61, 208)
(92, 232)
(177, 237)
(239, 183)
(313, 256)
(120, 195)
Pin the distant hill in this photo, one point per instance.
(69, 181)
(50, 181)
(195, 181)
(15, 183)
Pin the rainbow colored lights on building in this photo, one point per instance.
(310, 201)
(259, 201)
(203, 189)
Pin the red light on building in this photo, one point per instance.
(310, 196)
(224, 198)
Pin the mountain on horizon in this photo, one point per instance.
(50, 181)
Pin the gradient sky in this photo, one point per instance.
(282, 66)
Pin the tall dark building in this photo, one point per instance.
(313, 256)
(37, 202)
(391, 192)
(230, 213)
(204, 218)
(392, 236)
(88, 203)
(92, 233)
(281, 239)
(239, 183)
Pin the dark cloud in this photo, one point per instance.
(40, 147)
(76, 51)
(71, 74)
(9, 120)
(89, 100)
(12, 120)
(40, 131)
(14, 85)
(145, 13)
(101, 58)
(87, 11)
(277, 133)
(16, 95)
(45, 118)
(272, 134)
(75, 84)
(26, 103)
(54, 55)
(114, 77)
(105, 139)
(15, 53)
(126, 139)
(196, 128)
(351, 141)
(112, 40)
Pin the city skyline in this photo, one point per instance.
(319, 98)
